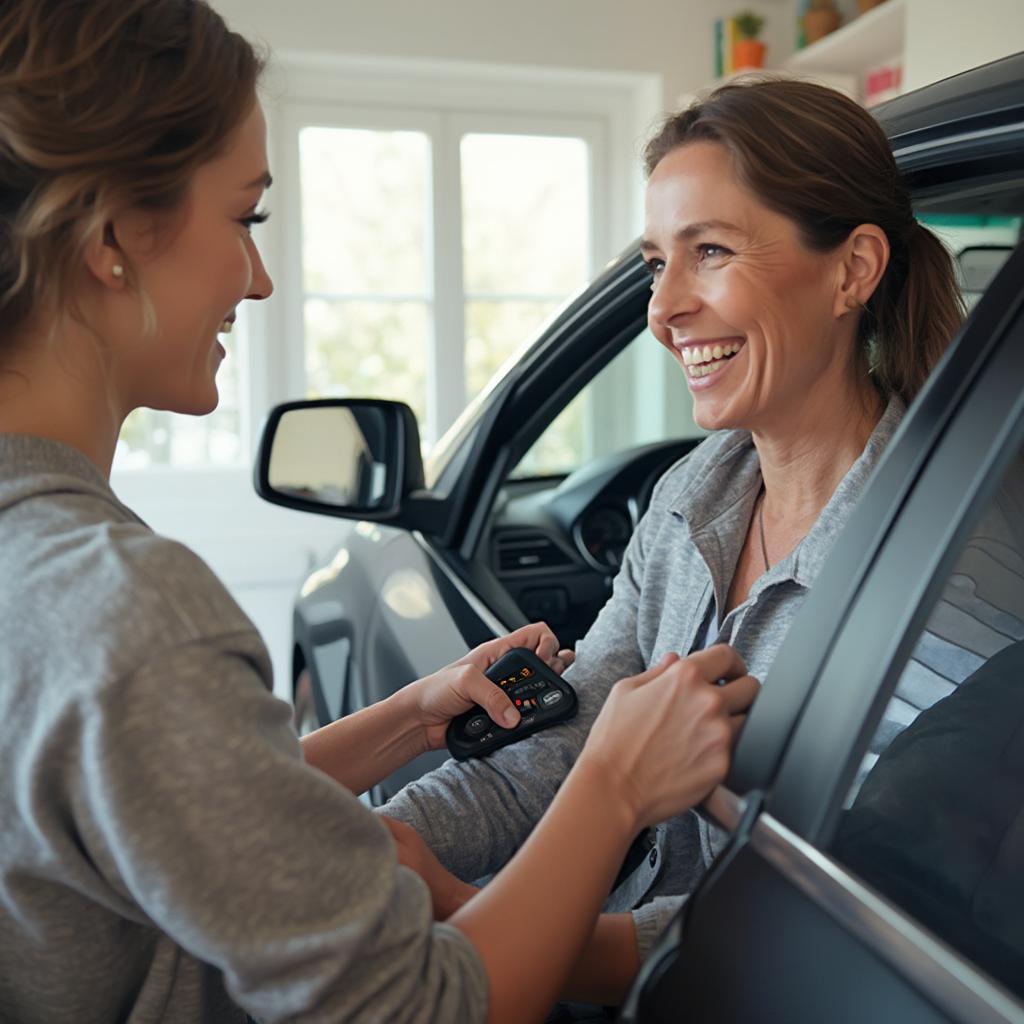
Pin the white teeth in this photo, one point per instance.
(225, 327)
(696, 356)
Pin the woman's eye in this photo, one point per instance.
(710, 251)
(654, 267)
(259, 217)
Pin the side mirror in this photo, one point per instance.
(355, 458)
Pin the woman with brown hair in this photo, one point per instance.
(805, 306)
(169, 852)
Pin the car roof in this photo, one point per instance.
(985, 99)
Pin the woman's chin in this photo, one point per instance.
(201, 404)
(711, 416)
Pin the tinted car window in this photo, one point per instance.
(935, 818)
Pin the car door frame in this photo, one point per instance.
(888, 568)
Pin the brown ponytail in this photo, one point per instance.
(919, 320)
(818, 158)
(105, 105)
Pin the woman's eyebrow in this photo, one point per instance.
(691, 231)
(263, 181)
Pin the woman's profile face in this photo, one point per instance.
(195, 278)
(746, 309)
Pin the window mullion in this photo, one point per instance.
(446, 386)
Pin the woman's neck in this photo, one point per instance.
(805, 457)
(59, 389)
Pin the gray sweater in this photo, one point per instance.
(165, 853)
(669, 592)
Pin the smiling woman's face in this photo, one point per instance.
(196, 280)
(747, 310)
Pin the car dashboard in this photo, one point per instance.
(556, 543)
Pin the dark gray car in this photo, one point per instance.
(870, 877)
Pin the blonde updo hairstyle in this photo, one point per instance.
(105, 106)
(818, 158)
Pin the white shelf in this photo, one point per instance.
(867, 40)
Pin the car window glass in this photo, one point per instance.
(980, 244)
(935, 817)
(640, 397)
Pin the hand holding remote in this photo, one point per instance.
(437, 699)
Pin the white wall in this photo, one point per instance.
(670, 38)
(945, 37)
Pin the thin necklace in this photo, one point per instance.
(760, 523)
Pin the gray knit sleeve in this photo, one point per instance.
(196, 806)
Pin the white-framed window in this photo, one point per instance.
(427, 219)
(432, 245)
(485, 197)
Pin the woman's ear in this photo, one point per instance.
(866, 255)
(105, 260)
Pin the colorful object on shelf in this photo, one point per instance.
(819, 20)
(883, 82)
(736, 44)
(725, 39)
(748, 51)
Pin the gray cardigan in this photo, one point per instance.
(675, 576)
(165, 853)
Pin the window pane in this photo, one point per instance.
(364, 211)
(935, 819)
(616, 410)
(496, 330)
(525, 202)
(153, 438)
(368, 350)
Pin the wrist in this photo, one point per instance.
(406, 718)
(609, 786)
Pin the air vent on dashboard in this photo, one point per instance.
(515, 551)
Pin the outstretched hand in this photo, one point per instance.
(440, 697)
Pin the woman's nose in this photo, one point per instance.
(261, 286)
(673, 298)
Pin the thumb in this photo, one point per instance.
(500, 708)
(492, 699)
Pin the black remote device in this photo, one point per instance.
(540, 694)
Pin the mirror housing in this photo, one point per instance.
(355, 458)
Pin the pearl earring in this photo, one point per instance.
(852, 302)
(117, 270)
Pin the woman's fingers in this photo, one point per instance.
(720, 662)
(536, 636)
(495, 702)
(739, 694)
(665, 736)
(474, 687)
